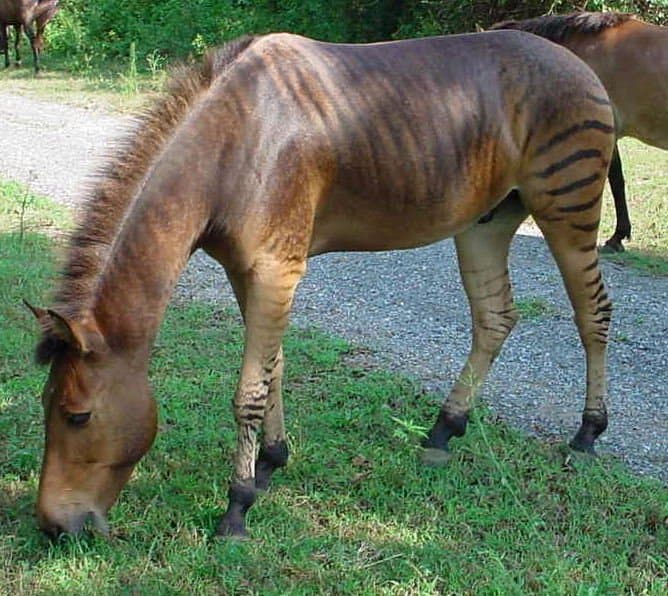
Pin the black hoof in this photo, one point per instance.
(590, 429)
(233, 523)
(612, 246)
(270, 458)
(445, 427)
(232, 527)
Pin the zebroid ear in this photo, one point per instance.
(83, 335)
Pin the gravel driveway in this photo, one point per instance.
(408, 306)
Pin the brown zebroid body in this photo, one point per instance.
(631, 59)
(278, 148)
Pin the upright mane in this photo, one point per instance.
(117, 182)
(559, 28)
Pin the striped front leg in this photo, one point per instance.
(269, 290)
(274, 450)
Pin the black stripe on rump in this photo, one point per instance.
(571, 159)
(577, 184)
(576, 128)
(580, 207)
(586, 227)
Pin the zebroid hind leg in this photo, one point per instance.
(574, 248)
(618, 188)
(269, 290)
(564, 197)
(482, 251)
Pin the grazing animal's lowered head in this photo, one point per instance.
(100, 419)
(99, 412)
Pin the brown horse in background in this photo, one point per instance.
(30, 16)
(631, 59)
(279, 148)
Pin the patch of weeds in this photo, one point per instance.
(130, 79)
(533, 308)
(22, 211)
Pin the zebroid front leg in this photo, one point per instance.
(270, 289)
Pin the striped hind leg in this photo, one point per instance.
(565, 201)
(563, 191)
(482, 251)
(573, 245)
(268, 292)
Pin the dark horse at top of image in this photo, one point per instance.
(631, 59)
(278, 148)
(30, 16)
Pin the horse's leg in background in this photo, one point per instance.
(4, 45)
(17, 43)
(268, 289)
(30, 34)
(482, 251)
(274, 449)
(39, 36)
(618, 188)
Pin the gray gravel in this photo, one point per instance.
(408, 307)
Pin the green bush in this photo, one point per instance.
(430, 17)
(90, 34)
(101, 32)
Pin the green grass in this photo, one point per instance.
(23, 211)
(532, 308)
(354, 512)
(647, 194)
(114, 88)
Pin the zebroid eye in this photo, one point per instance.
(78, 419)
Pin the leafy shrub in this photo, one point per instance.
(103, 31)
(90, 34)
(431, 17)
